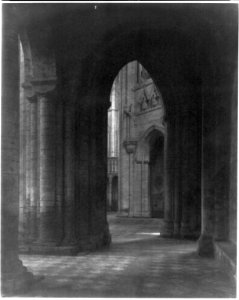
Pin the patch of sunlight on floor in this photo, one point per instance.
(149, 233)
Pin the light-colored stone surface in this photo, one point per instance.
(140, 108)
(139, 263)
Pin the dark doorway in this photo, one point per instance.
(114, 194)
(156, 177)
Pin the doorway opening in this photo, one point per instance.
(156, 175)
(136, 147)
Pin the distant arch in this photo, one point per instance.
(142, 151)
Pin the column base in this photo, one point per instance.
(206, 246)
(167, 229)
(226, 253)
(88, 243)
(19, 282)
(94, 242)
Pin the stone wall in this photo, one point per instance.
(233, 171)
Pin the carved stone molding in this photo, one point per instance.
(130, 146)
(44, 87)
(39, 87)
(149, 100)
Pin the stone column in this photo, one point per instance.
(59, 166)
(24, 140)
(47, 226)
(82, 169)
(221, 205)
(187, 187)
(110, 192)
(130, 147)
(233, 165)
(25, 170)
(206, 240)
(97, 162)
(69, 173)
(44, 182)
(101, 134)
(222, 163)
(145, 211)
(177, 178)
(33, 169)
(14, 276)
(168, 171)
(191, 154)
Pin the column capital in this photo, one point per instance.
(32, 99)
(50, 94)
(39, 86)
(43, 85)
(38, 96)
(130, 146)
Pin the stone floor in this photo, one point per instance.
(139, 263)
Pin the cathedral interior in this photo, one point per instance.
(119, 150)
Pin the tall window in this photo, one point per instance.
(113, 125)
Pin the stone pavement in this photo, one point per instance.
(139, 263)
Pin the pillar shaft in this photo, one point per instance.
(177, 178)
(23, 169)
(131, 190)
(222, 164)
(188, 153)
(101, 132)
(69, 174)
(59, 169)
(110, 192)
(130, 147)
(206, 240)
(33, 170)
(14, 275)
(99, 231)
(82, 173)
(26, 211)
(47, 227)
(168, 171)
(145, 211)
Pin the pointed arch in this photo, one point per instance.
(142, 151)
